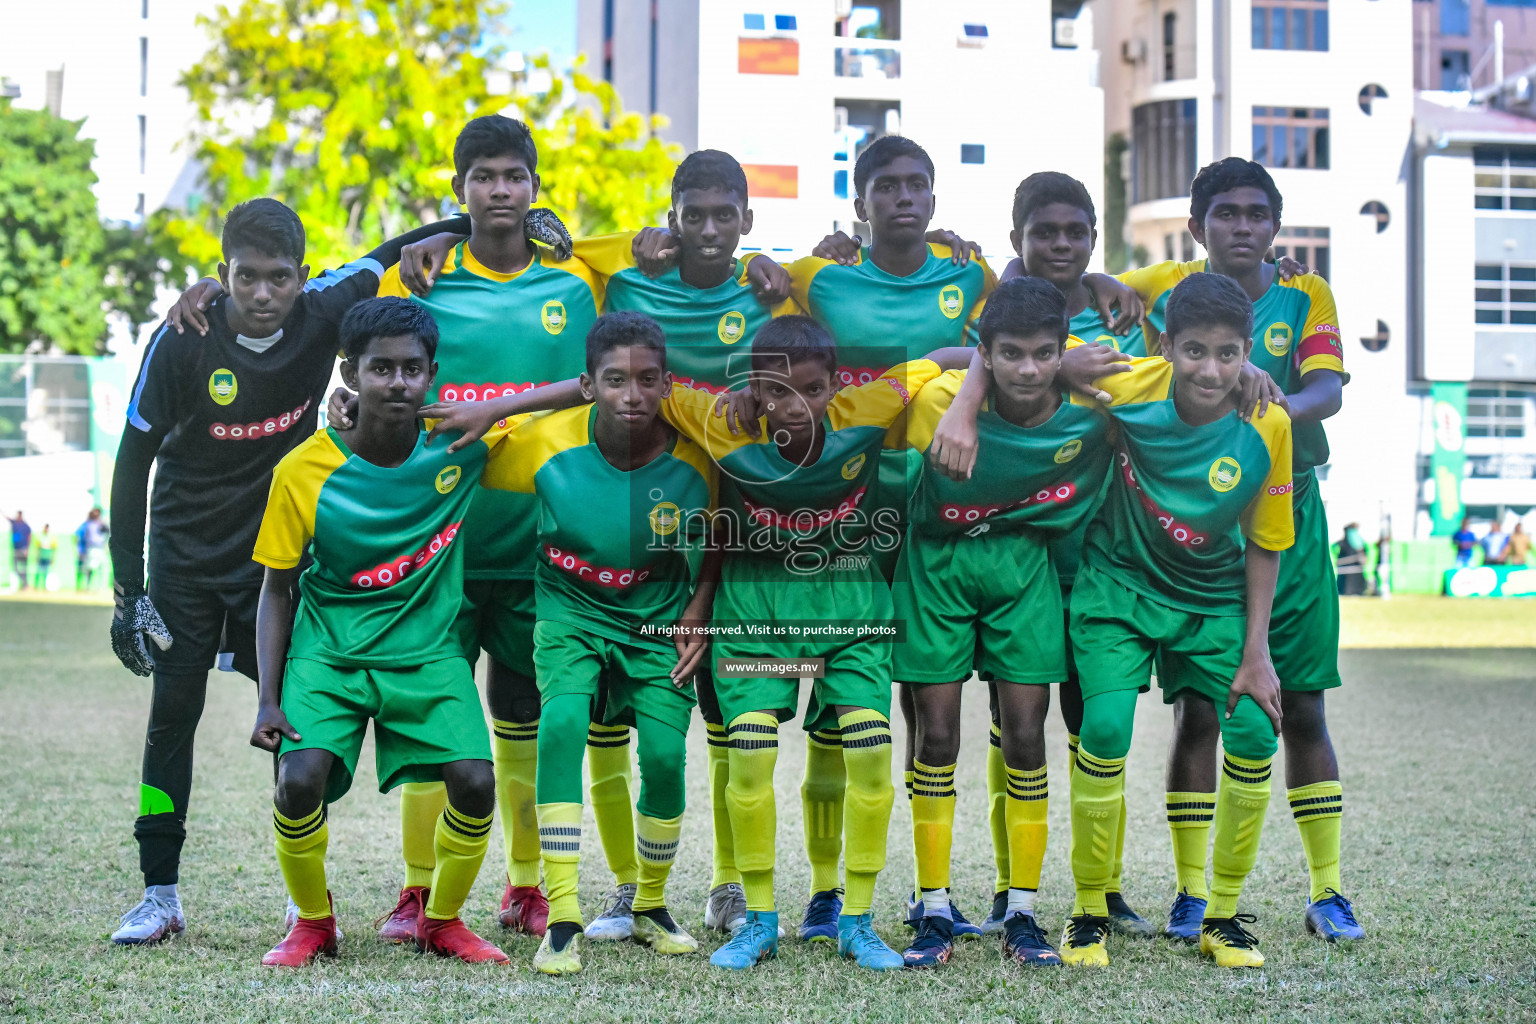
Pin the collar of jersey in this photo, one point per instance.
(592, 440)
(864, 260)
(357, 459)
(466, 259)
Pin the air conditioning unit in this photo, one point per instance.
(1133, 51)
(1064, 34)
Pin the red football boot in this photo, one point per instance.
(308, 940)
(524, 909)
(453, 938)
(399, 925)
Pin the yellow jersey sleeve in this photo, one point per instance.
(1321, 347)
(882, 401)
(1149, 379)
(692, 414)
(686, 451)
(1150, 282)
(524, 445)
(1267, 520)
(930, 405)
(288, 525)
(801, 273)
(606, 255)
(391, 286)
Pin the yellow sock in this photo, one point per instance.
(1072, 742)
(1241, 802)
(657, 841)
(461, 842)
(301, 844)
(933, 823)
(754, 739)
(866, 805)
(1028, 800)
(719, 751)
(608, 768)
(997, 804)
(1189, 823)
(515, 753)
(560, 845)
(917, 885)
(1098, 784)
(821, 801)
(1319, 811)
(1114, 875)
(421, 803)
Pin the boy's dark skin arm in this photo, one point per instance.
(1321, 396)
(274, 629)
(1256, 675)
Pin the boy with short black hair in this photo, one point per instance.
(214, 413)
(372, 636)
(974, 587)
(1235, 211)
(1180, 566)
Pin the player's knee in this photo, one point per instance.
(471, 786)
(512, 696)
(1107, 722)
(1303, 720)
(938, 741)
(1248, 733)
(300, 787)
(662, 765)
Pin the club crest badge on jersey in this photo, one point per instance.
(1225, 473)
(1277, 339)
(951, 300)
(665, 518)
(1068, 451)
(448, 479)
(852, 466)
(732, 327)
(553, 315)
(222, 386)
(1108, 339)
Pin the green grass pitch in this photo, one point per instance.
(1439, 853)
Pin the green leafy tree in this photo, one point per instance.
(347, 111)
(51, 241)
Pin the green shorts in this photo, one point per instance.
(630, 680)
(424, 717)
(497, 617)
(857, 670)
(1304, 626)
(1117, 633)
(894, 484)
(978, 603)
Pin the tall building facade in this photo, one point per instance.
(1321, 93)
(795, 89)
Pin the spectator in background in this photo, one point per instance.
(1351, 562)
(1384, 561)
(1495, 541)
(90, 548)
(1519, 545)
(1465, 541)
(21, 545)
(47, 547)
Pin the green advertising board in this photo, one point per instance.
(1449, 414)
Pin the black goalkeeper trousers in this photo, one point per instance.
(166, 783)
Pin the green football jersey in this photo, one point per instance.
(1090, 326)
(805, 515)
(1043, 478)
(501, 334)
(709, 330)
(387, 578)
(1295, 331)
(1182, 499)
(613, 545)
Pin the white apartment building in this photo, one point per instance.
(113, 63)
(794, 89)
(1321, 92)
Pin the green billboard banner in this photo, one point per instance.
(109, 404)
(1449, 461)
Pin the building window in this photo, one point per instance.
(1305, 245)
(1504, 179)
(1290, 25)
(143, 143)
(1291, 137)
(1162, 149)
(1455, 70)
(866, 62)
(1455, 18)
(872, 19)
(1170, 33)
(973, 153)
(1496, 412)
(754, 22)
(143, 65)
(1506, 293)
(784, 22)
(857, 123)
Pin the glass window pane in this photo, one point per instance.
(1488, 202)
(1298, 30)
(1490, 316)
(1483, 294)
(1320, 149)
(1260, 23)
(1522, 202)
(784, 22)
(753, 22)
(1519, 273)
(1277, 27)
(1521, 294)
(1322, 267)
(1261, 145)
(1299, 146)
(1493, 272)
(1522, 158)
(1522, 316)
(1483, 179)
(1522, 181)
(1280, 138)
(1320, 29)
